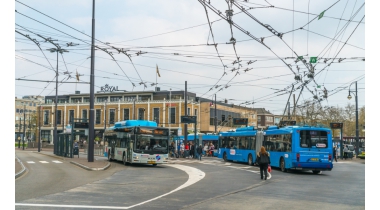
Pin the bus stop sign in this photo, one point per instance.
(188, 119)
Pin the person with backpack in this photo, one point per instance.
(199, 151)
(263, 160)
(334, 153)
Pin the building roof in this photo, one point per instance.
(262, 111)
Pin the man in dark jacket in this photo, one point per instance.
(192, 150)
(199, 151)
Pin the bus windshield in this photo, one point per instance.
(151, 144)
(313, 138)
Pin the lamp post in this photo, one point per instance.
(23, 137)
(105, 121)
(356, 113)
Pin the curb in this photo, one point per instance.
(23, 170)
(91, 169)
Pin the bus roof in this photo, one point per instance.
(130, 123)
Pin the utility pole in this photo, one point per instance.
(215, 118)
(185, 125)
(288, 110)
(90, 153)
(39, 129)
(294, 108)
(23, 137)
(19, 134)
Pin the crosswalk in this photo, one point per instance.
(43, 162)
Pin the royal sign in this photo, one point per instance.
(107, 88)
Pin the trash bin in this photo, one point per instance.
(350, 154)
(187, 153)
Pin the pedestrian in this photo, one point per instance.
(171, 149)
(334, 153)
(345, 151)
(182, 148)
(263, 160)
(212, 147)
(205, 149)
(199, 151)
(192, 150)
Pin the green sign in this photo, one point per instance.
(318, 86)
(321, 15)
(313, 59)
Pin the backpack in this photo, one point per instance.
(263, 159)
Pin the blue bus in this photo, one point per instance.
(291, 147)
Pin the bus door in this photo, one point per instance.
(111, 147)
(130, 142)
(315, 147)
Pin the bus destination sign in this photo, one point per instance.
(240, 121)
(336, 125)
(188, 119)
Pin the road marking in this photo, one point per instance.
(227, 164)
(56, 161)
(30, 161)
(43, 161)
(195, 175)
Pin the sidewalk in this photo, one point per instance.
(100, 163)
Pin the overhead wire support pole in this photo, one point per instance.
(287, 102)
(91, 134)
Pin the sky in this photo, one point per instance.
(176, 37)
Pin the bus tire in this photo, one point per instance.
(282, 165)
(250, 160)
(316, 171)
(225, 157)
(124, 159)
(154, 164)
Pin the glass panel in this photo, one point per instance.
(97, 117)
(112, 116)
(156, 115)
(172, 115)
(126, 114)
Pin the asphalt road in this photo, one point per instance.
(224, 186)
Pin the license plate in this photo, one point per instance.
(151, 162)
(314, 159)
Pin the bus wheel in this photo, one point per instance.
(250, 162)
(316, 171)
(154, 164)
(282, 165)
(225, 157)
(124, 160)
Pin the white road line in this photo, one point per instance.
(195, 175)
(56, 161)
(227, 164)
(43, 161)
(30, 161)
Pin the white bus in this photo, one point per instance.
(138, 141)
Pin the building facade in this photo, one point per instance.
(164, 107)
(264, 118)
(26, 117)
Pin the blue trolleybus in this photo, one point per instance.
(138, 141)
(291, 147)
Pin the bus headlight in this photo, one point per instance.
(135, 157)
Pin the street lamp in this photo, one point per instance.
(58, 49)
(356, 110)
(23, 137)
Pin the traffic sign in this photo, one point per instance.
(188, 119)
(321, 15)
(80, 124)
(336, 125)
(313, 59)
(240, 121)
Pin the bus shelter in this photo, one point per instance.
(64, 147)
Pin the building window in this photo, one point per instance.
(196, 112)
(259, 119)
(156, 115)
(143, 98)
(61, 101)
(97, 117)
(112, 116)
(45, 135)
(141, 113)
(34, 104)
(16, 118)
(46, 117)
(172, 115)
(211, 121)
(126, 114)
(17, 110)
(101, 99)
(86, 99)
(129, 98)
(59, 115)
(30, 104)
(188, 111)
(71, 116)
(84, 115)
(76, 100)
(223, 117)
(21, 111)
(115, 98)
